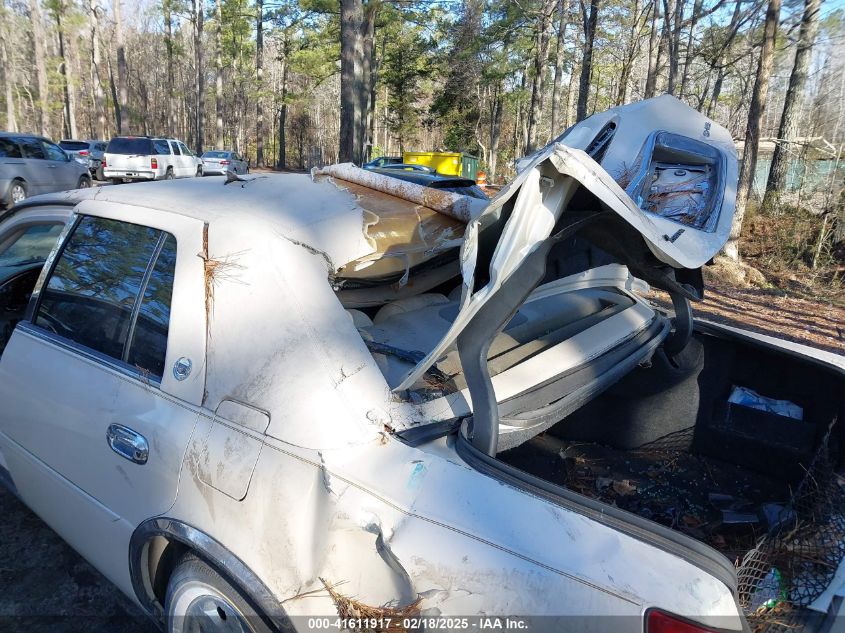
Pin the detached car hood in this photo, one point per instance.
(664, 169)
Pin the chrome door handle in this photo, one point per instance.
(128, 444)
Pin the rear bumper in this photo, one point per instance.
(215, 170)
(129, 174)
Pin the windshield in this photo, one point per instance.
(131, 145)
(474, 191)
(216, 155)
(30, 246)
(73, 145)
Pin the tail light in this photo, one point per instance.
(225, 162)
(660, 622)
(103, 163)
(83, 152)
(154, 163)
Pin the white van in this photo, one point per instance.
(147, 158)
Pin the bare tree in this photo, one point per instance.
(752, 130)
(197, 17)
(67, 72)
(259, 82)
(654, 48)
(8, 75)
(542, 28)
(38, 40)
(218, 74)
(590, 21)
(122, 121)
(793, 102)
(167, 9)
(560, 52)
(96, 82)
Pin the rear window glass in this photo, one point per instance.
(473, 191)
(8, 149)
(216, 155)
(130, 146)
(73, 145)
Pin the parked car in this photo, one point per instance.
(134, 158)
(217, 162)
(382, 161)
(30, 165)
(411, 451)
(88, 153)
(428, 178)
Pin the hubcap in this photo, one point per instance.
(199, 608)
(84, 183)
(18, 193)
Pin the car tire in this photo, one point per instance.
(84, 182)
(17, 193)
(98, 175)
(199, 172)
(200, 599)
(168, 175)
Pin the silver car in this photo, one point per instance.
(89, 152)
(30, 165)
(218, 162)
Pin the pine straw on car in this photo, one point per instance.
(384, 618)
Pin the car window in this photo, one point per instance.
(9, 149)
(54, 152)
(30, 245)
(216, 154)
(130, 145)
(91, 294)
(161, 146)
(148, 345)
(101, 147)
(31, 148)
(185, 150)
(176, 149)
(73, 146)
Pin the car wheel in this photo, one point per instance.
(200, 599)
(17, 192)
(117, 181)
(84, 183)
(168, 175)
(99, 174)
(199, 172)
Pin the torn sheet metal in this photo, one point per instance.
(539, 194)
(463, 208)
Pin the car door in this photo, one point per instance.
(178, 161)
(63, 168)
(39, 177)
(102, 382)
(188, 162)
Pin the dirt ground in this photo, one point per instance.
(46, 587)
(818, 323)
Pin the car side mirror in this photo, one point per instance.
(67, 156)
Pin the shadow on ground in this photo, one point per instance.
(45, 586)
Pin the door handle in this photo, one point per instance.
(128, 444)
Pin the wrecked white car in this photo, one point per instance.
(346, 401)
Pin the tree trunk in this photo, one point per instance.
(39, 38)
(259, 81)
(67, 76)
(495, 131)
(631, 50)
(218, 75)
(122, 81)
(671, 37)
(793, 102)
(752, 130)
(199, 119)
(559, 60)
(283, 110)
(351, 50)
(96, 81)
(587, 63)
(8, 79)
(168, 45)
(366, 88)
(653, 52)
(696, 15)
(542, 27)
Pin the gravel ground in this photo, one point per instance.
(46, 587)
